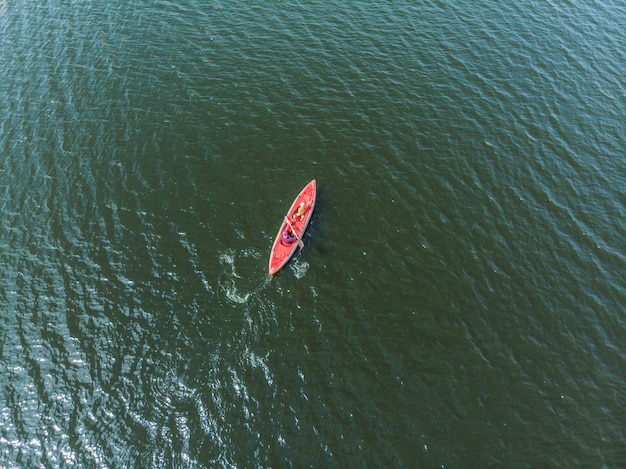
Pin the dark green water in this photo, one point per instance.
(460, 300)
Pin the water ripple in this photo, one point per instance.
(466, 257)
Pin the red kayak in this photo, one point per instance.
(289, 236)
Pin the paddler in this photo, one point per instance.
(299, 215)
(287, 236)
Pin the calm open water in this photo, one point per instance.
(461, 298)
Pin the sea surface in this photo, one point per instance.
(460, 301)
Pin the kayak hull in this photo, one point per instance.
(283, 251)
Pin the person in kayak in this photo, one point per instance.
(300, 213)
(287, 235)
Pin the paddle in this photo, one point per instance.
(300, 243)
